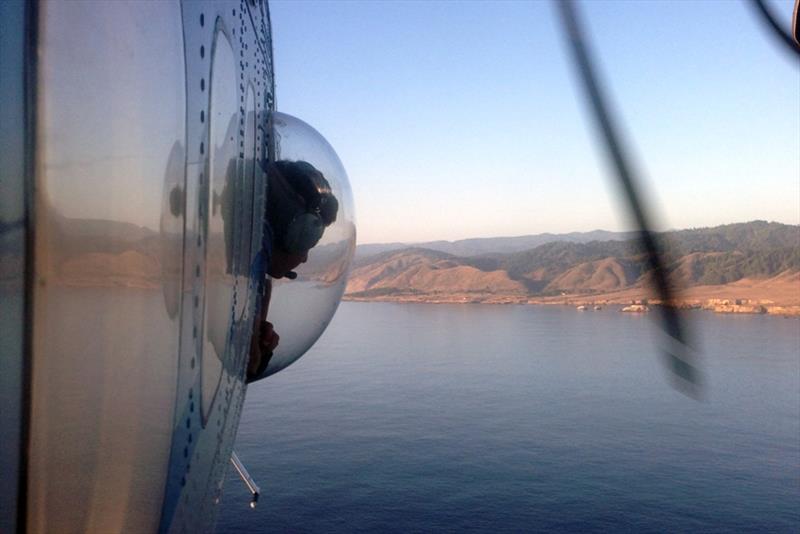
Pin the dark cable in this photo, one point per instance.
(678, 356)
(778, 32)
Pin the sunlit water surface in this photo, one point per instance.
(520, 418)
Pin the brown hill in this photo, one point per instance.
(425, 272)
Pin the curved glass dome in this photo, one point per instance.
(301, 309)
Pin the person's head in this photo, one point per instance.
(300, 205)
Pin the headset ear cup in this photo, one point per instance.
(303, 233)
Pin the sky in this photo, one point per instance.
(465, 119)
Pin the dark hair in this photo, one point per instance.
(312, 187)
(297, 187)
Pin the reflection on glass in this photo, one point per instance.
(171, 227)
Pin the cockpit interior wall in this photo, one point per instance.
(147, 194)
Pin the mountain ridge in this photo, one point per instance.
(494, 245)
(715, 256)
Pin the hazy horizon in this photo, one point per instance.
(673, 229)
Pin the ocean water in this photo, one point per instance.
(432, 418)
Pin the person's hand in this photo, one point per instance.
(269, 338)
(262, 346)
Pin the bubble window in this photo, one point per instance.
(301, 308)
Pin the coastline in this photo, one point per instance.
(741, 297)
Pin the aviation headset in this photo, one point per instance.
(300, 205)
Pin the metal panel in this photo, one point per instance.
(225, 199)
(148, 204)
(109, 241)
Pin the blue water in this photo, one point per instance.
(485, 418)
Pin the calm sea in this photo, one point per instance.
(425, 418)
